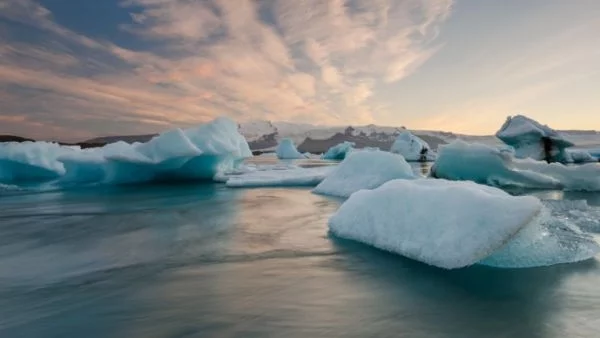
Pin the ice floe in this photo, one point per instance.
(456, 224)
(364, 170)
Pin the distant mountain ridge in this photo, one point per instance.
(263, 135)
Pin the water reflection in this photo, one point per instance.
(206, 261)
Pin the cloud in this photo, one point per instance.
(317, 60)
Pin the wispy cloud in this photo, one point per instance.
(305, 60)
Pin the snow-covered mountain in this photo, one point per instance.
(264, 135)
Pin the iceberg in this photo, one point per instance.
(457, 224)
(496, 167)
(412, 147)
(364, 170)
(442, 223)
(339, 152)
(531, 139)
(192, 154)
(286, 150)
(279, 177)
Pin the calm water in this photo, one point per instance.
(206, 261)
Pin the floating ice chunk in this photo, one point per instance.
(195, 153)
(585, 177)
(286, 150)
(547, 240)
(284, 177)
(412, 147)
(364, 170)
(488, 165)
(339, 152)
(532, 139)
(438, 222)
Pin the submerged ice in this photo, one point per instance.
(195, 153)
(456, 224)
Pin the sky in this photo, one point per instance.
(74, 69)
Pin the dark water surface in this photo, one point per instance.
(207, 261)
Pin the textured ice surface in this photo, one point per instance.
(364, 170)
(577, 212)
(526, 136)
(412, 147)
(280, 177)
(195, 153)
(548, 240)
(438, 222)
(488, 165)
(286, 150)
(339, 151)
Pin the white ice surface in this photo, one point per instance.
(279, 177)
(410, 147)
(442, 223)
(364, 170)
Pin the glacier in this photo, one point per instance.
(451, 225)
(196, 153)
(499, 167)
(286, 150)
(412, 148)
(339, 151)
(531, 139)
(367, 169)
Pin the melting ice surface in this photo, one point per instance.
(191, 154)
